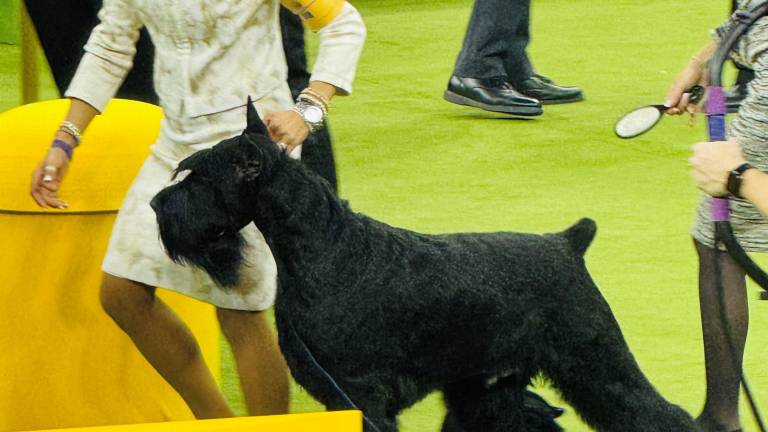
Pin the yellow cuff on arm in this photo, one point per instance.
(315, 13)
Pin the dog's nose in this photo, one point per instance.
(155, 204)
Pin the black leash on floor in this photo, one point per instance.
(716, 110)
(339, 391)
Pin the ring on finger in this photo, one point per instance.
(49, 171)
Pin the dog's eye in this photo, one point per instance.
(215, 233)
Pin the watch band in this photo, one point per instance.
(302, 107)
(734, 179)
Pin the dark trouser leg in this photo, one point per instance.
(293, 46)
(496, 38)
(63, 27)
(723, 376)
(516, 62)
(317, 152)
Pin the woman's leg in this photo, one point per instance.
(721, 408)
(166, 342)
(262, 369)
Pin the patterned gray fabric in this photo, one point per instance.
(750, 128)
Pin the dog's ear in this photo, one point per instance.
(255, 125)
(191, 162)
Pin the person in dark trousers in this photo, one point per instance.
(318, 150)
(493, 71)
(64, 26)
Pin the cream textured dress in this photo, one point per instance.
(210, 55)
(750, 128)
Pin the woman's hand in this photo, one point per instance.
(678, 98)
(47, 177)
(711, 163)
(287, 128)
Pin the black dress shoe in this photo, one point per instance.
(548, 92)
(543, 78)
(492, 94)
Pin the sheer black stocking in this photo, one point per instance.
(720, 412)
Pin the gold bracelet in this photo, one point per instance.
(306, 97)
(70, 128)
(312, 92)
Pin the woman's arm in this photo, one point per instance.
(108, 55)
(47, 177)
(108, 58)
(341, 34)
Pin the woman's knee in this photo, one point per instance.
(122, 298)
(239, 326)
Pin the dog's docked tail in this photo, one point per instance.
(580, 235)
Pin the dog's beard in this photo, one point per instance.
(190, 235)
(221, 259)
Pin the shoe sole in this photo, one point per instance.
(561, 101)
(518, 111)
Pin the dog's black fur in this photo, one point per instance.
(392, 314)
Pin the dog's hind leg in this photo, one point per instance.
(475, 405)
(592, 367)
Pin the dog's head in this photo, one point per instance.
(211, 199)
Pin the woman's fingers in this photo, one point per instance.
(46, 180)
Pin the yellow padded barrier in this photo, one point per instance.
(113, 149)
(63, 363)
(339, 421)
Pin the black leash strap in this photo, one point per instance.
(328, 377)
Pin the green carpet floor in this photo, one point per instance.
(410, 159)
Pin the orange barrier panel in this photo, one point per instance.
(63, 362)
(339, 421)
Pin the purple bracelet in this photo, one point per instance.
(57, 143)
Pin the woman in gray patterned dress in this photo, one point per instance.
(750, 130)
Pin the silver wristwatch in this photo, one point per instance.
(312, 114)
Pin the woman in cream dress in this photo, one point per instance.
(210, 56)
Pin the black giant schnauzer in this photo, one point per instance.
(377, 316)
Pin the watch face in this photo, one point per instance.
(313, 114)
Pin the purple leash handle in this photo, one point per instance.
(716, 126)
